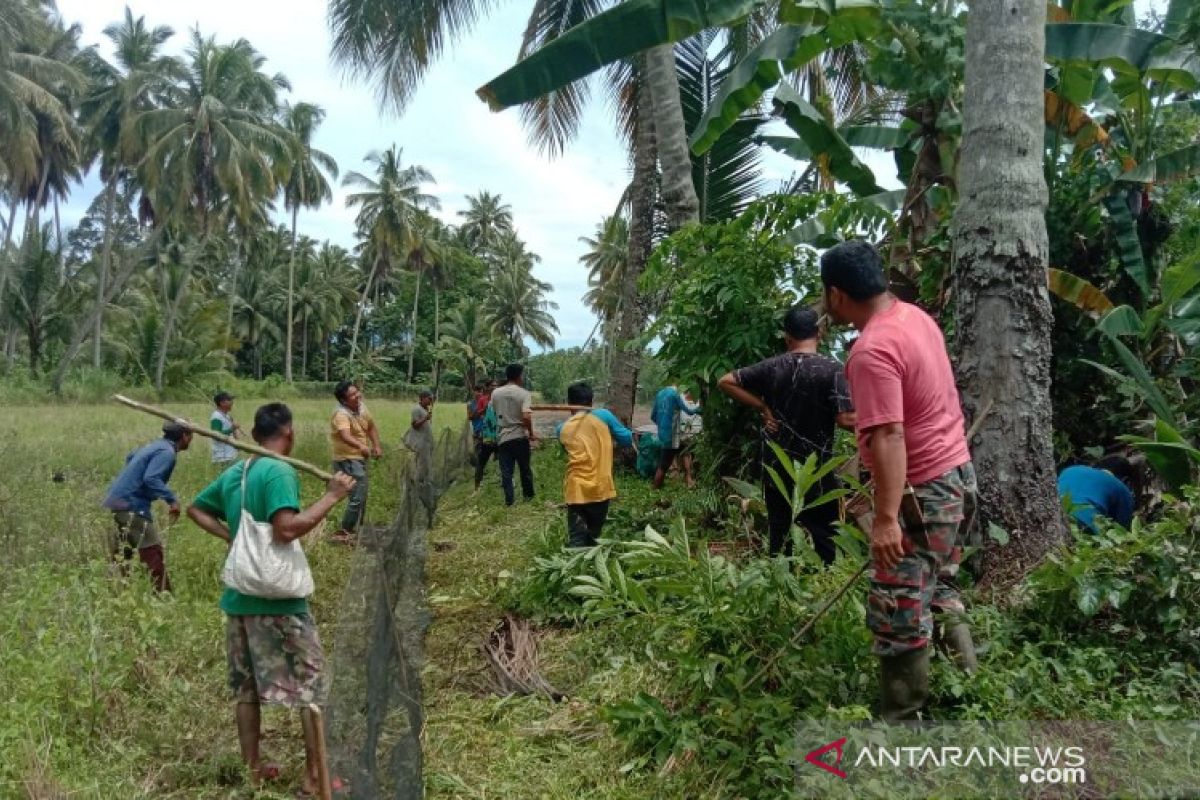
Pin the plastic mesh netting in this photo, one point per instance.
(374, 714)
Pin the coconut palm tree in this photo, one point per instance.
(607, 255)
(215, 141)
(486, 217)
(35, 302)
(325, 291)
(426, 251)
(137, 80)
(517, 309)
(389, 205)
(469, 340)
(214, 148)
(257, 294)
(306, 187)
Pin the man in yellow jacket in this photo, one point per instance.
(588, 438)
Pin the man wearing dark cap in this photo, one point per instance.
(911, 437)
(222, 422)
(801, 395)
(144, 480)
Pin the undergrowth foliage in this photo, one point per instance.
(1103, 630)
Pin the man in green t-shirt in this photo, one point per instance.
(272, 646)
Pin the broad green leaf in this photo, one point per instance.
(1179, 280)
(624, 30)
(745, 489)
(1136, 371)
(789, 146)
(1121, 321)
(757, 72)
(1128, 243)
(1169, 453)
(1182, 163)
(878, 137)
(820, 135)
(1079, 293)
(1122, 48)
(815, 232)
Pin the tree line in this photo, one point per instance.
(180, 268)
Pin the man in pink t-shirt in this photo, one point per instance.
(911, 437)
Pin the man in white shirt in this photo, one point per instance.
(222, 422)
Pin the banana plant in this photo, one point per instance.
(1164, 331)
(1133, 82)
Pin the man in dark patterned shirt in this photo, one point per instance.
(801, 396)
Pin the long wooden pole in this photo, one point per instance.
(559, 407)
(246, 447)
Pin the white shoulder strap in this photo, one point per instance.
(245, 470)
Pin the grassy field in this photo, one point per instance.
(113, 692)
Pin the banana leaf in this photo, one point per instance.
(1182, 163)
(788, 146)
(1136, 374)
(1079, 293)
(622, 31)
(821, 136)
(877, 137)
(1128, 243)
(1169, 453)
(1124, 49)
(760, 69)
(1122, 321)
(788, 48)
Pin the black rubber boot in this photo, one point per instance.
(904, 685)
(956, 642)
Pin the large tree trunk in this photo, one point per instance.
(670, 132)
(110, 203)
(412, 340)
(627, 357)
(287, 355)
(1002, 304)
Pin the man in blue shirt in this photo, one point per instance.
(144, 480)
(668, 403)
(1102, 490)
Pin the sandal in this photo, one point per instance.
(344, 537)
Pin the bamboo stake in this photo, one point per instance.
(313, 720)
(246, 447)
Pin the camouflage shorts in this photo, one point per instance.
(276, 659)
(903, 600)
(133, 532)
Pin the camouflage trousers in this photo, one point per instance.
(276, 660)
(903, 600)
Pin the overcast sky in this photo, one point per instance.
(446, 129)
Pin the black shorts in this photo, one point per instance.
(666, 457)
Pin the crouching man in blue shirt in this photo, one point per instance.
(1103, 490)
(144, 480)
